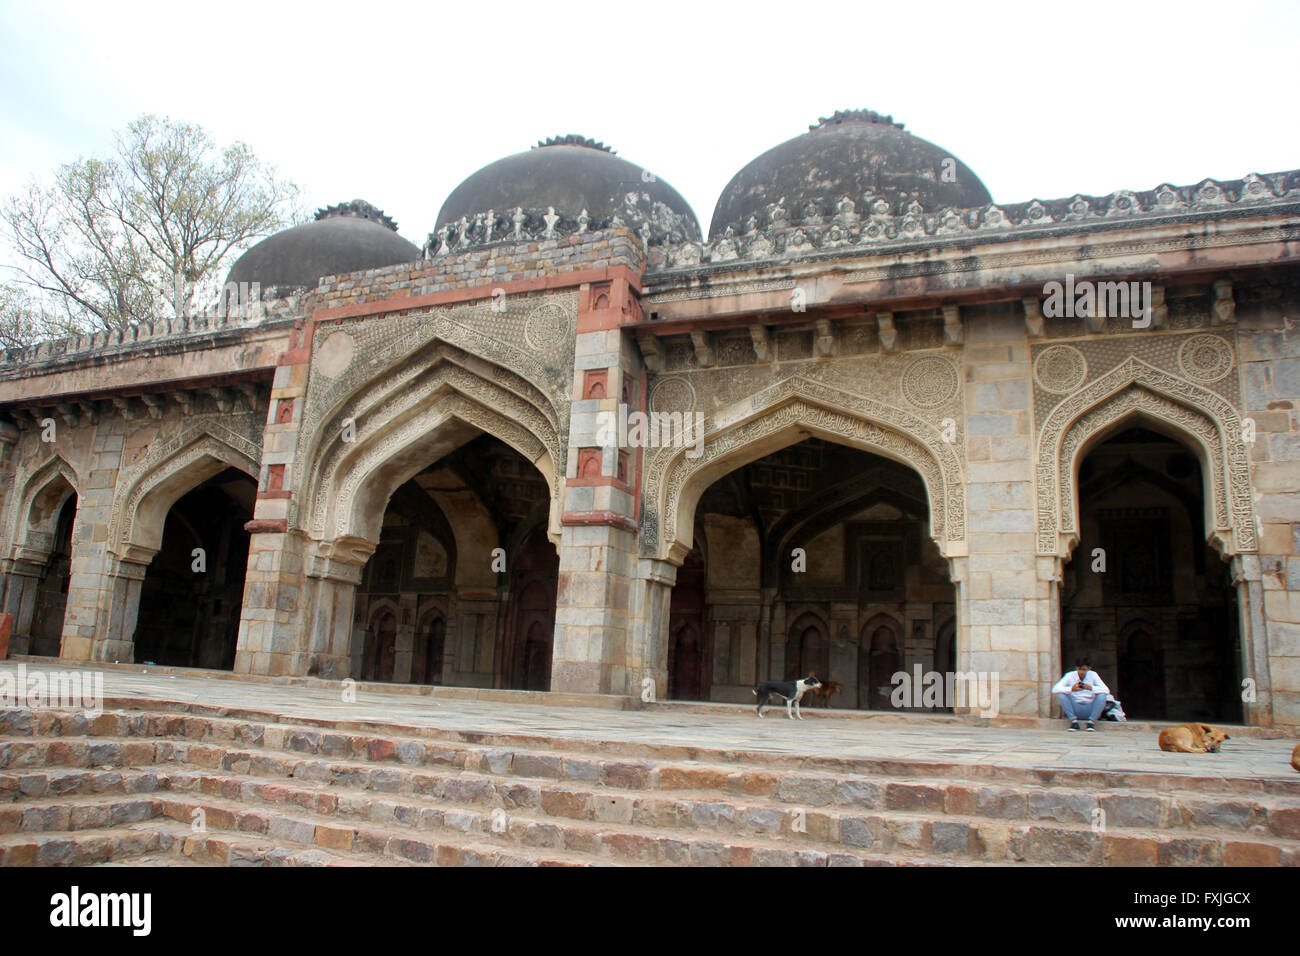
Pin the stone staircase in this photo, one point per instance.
(183, 784)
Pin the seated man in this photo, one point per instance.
(1082, 694)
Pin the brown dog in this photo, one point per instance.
(1192, 739)
(1295, 757)
(826, 690)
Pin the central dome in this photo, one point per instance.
(855, 153)
(567, 173)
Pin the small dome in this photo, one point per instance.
(343, 238)
(569, 174)
(855, 153)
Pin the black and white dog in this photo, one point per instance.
(788, 690)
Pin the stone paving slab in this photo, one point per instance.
(1114, 747)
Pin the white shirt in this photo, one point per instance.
(1094, 686)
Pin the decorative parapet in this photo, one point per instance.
(255, 310)
(848, 224)
(653, 221)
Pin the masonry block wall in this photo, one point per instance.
(1005, 607)
(1268, 343)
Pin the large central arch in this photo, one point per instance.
(371, 440)
(392, 428)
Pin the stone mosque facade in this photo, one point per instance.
(387, 462)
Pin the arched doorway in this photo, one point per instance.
(1141, 671)
(464, 561)
(1145, 596)
(52, 587)
(688, 656)
(803, 545)
(808, 649)
(534, 629)
(537, 656)
(381, 647)
(879, 659)
(192, 592)
(426, 656)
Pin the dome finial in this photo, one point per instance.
(855, 116)
(573, 139)
(360, 209)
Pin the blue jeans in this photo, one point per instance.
(1080, 711)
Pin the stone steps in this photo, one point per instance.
(424, 771)
(327, 794)
(543, 755)
(164, 841)
(658, 828)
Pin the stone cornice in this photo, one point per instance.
(839, 227)
(1004, 261)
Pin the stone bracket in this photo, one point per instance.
(952, 330)
(1033, 317)
(703, 343)
(886, 331)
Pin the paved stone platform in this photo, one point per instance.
(1114, 747)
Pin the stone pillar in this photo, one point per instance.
(330, 594)
(18, 594)
(270, 621)
(649, 610)
(1050, 581)
(1251, 602)
(277, 614)
(21, 580)
(299, 603)
(594, 650)
(1004, 608)
(104, 588)
(117, 641)
(592, 620)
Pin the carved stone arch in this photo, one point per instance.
(804, 618)
(373, 665)
(378, 606)
(351, 496)
(876, 665)
(402, 423)
(779, 416)
(1135, 390)
(870, 616)
(375, 402)
(147, 490)
(36, 509)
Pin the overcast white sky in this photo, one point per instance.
(397, 103)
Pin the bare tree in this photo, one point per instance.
(147, 233)
(23, 321)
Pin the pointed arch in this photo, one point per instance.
(394, 425)
(1204, 420)
(781, 415)
(37, 506)
(147, 490)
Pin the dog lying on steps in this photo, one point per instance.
(788, 690)
(1192, 739)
